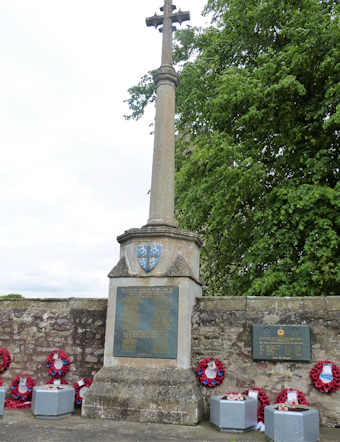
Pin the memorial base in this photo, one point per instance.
(157, 395)
(2, 400)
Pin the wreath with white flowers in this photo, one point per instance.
(5, 359)
(21, 387)
(281, 398)
(325, 377)
(81, 388)
(263, 401)
(58, 363)
(210, 372)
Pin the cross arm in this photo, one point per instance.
(177, 17)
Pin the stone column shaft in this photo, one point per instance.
(163, 167)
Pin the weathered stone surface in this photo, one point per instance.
(30, 329)
(145, 395)
(222, 332)
(220, 328)
(120, 270)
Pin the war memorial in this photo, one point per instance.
(161, 353)
(147, 371)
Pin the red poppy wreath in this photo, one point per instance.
(210, 372)
(22, 387)
(5, 359)
(58, 363)
(263, 401)
(81, 388)
(325, 377)
(282, 397)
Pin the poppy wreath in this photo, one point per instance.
(6, 359)
(51, 381)
(78, 387)
(324, 387)
(14, 388)
(263, 401)
(0, 382)
(203, 378)
(281, 398)
(58, 371)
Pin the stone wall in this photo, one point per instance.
(30, 329)
(222, 329)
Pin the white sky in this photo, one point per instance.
(74, 174)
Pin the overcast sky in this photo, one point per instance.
(74, 174)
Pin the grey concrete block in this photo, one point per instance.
(49, 402)
(2, 400)
(233, 415)
(292, 426)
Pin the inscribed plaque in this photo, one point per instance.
(281, 342)
(146, 324)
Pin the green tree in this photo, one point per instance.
(258, 113)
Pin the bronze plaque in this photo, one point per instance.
(281, 343)
(146, 324)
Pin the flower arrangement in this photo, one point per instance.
(325, 377)
(22, 387)
(58, 363)
(5, 359)
(292, 406)
(282, 397)
(232, 396)
(210, 372)
(81, 388)
(263, 401)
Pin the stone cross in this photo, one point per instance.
(163, 167)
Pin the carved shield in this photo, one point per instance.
(148, 256)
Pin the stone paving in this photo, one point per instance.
(21, 426)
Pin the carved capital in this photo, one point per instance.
(166, 73)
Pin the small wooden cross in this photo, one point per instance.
(167, 21)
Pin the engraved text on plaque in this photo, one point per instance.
(146, 322)
(281, 342)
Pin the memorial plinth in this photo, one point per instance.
(52, 402)
(2, 400)
(147, 375)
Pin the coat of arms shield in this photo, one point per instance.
(148, 256)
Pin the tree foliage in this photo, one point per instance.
(258, 113)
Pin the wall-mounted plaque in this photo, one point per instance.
(146, 323)
(281, 342)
